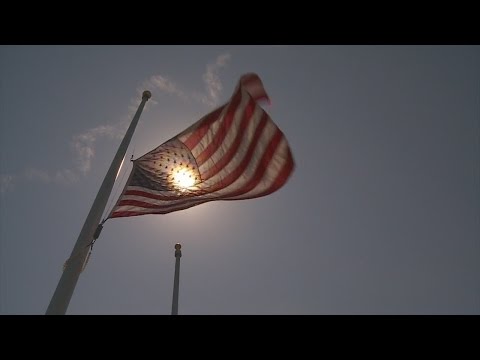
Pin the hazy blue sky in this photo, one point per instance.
(381, 216)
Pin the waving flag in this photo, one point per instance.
(235, 152)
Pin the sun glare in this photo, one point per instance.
(183, 178)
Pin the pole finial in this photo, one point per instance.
(146, 95)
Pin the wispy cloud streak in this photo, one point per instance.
(83, 144)
(6, 182)
(211, 78)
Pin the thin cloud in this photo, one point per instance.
(6, 182)
(37, 175)
(83, 144)
(166, 85)
(83, 147)
(63, 177)
(211, 78)
(163, 84)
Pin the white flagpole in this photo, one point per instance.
(64, 291)
(176, 280)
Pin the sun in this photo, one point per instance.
(183, 178)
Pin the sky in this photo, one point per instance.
(380, 216)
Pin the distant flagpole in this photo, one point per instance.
(64, 291)
(176, 280)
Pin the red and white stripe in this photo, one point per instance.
(239, 151)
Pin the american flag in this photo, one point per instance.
(235, 152)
